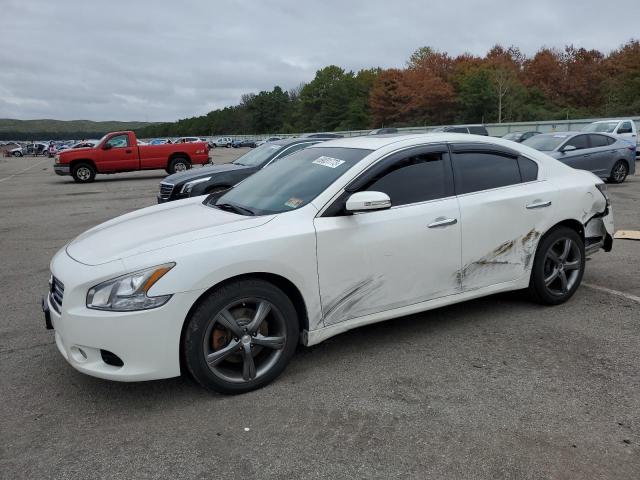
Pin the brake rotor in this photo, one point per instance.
(220, 336)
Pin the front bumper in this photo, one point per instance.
(61, 169)
(147, 342)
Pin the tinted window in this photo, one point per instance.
(579, 141)
(413, 179)
(599, 141)
(625, 128)
(458, 130)
(528, 169)
(475, 171)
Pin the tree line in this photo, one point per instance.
(435, 88)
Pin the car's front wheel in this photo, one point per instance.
(619, 172)
(83, 173)
(240, 337)
(17, 154)
(558, 266)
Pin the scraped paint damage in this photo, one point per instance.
(343, 306)
(518, 251)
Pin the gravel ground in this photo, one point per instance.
(493, 388)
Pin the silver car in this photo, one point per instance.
(607, 156)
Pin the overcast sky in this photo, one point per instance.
(161, 60)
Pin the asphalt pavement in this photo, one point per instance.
(493, 388)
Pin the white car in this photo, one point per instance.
(222, 142)
(339, 235)
(625, 129)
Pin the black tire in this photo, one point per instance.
(178, 164)
(83, 173)
(17, 154)
(558, 267)
(619, 172)
(207, 337)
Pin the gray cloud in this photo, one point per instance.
(150, 60)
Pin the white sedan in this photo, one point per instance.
(336, 236)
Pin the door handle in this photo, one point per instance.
(442, 222)
(538, 204)
(128, 151)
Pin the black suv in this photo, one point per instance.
(473, 129)
(217, 178)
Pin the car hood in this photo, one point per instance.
(156, 227)
(205, 171)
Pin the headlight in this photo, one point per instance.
(187, 187)
(129, 292)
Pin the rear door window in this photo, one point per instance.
(477, 171)
(598, 141)
(528, 169)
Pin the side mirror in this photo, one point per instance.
(107, 146)
(366, 201)
(568, 148)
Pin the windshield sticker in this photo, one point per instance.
(560, 136)
(328, 162)
(293, 202)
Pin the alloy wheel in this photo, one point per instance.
(180, 167)
(619, 172)
(83, 173)
(244, 340)
(562, 265)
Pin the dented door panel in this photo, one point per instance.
(500, 233)
(376, 261)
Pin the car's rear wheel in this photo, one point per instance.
(178, 164)
(241, 337)
(17, 154)
(619, 172)
(558, 266)
(83, 173)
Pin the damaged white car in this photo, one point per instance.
(336, 236)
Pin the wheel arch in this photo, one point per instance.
(284, 284)
(571, 223)
(175, 155)
(88, 161)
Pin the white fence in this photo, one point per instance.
(494, 129)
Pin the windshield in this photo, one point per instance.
(546, 143)
(258, 156)
(601, 127)
(292, 182)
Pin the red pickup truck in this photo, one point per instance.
(120, 152)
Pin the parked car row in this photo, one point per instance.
(307, 238)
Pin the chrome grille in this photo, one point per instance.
(165, 190)
(56, 289)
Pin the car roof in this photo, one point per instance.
(376, 142)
